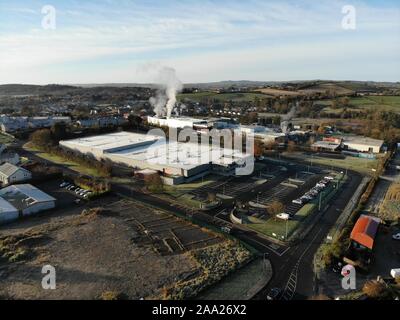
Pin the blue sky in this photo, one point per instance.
(107, 41)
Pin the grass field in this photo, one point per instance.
(208, 95)
(66, 163)
(384, 103)
(4, 139)
(361, 165)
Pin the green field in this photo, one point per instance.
(387, 103)
(66, 163)
(4, 139)
(384, 103)
(364, 166)
(208, 95)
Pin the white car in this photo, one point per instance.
(297, 201)
(396, 236)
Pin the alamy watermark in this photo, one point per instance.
(349, 20)
(49, 280)
(349, 277)
(49, 20)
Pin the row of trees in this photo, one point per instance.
(45, 140)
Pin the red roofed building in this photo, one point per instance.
(364, 231)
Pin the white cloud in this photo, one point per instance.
(201, 39)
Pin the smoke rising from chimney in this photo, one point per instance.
(288, 117)
(169, 85)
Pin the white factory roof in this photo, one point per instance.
(182, 155)
(112, 140)
(182, 119)
(326, 145)
(362, 141)
(130, 145)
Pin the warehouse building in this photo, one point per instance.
(23, 200)
(8, 212)
(364, 232)
(178, 123)
(10, 173)
(178, 162)
(362, 144)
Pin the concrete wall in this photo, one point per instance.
(37, 207)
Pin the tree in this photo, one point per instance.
(275, 207)
(291, 147)
(59, 131)
(374, 289)
(134, 121)
(258, 148)
(41, 137)
(154, 183)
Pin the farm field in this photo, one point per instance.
(279, 92)
(208, 95)
(383, 103)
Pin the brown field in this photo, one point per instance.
(324, 87)
(279, 92)
(122, 250)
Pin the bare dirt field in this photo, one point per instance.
(124, 248)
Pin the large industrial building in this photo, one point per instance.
(23, 200)
(362, 144)
(178, 123)
(178, 162)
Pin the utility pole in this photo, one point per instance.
(320, 201)
(286, 228)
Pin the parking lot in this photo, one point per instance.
(235, 186)
(286, 191)
(63, 196)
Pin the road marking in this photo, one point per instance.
(291, 284)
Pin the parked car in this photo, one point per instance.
(337, 267)
(274, 294)
(396, 236)
(297, 201)
(63, 184)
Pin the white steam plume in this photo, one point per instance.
(170, 85)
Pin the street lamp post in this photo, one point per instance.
(320, 201)
(286, 228)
